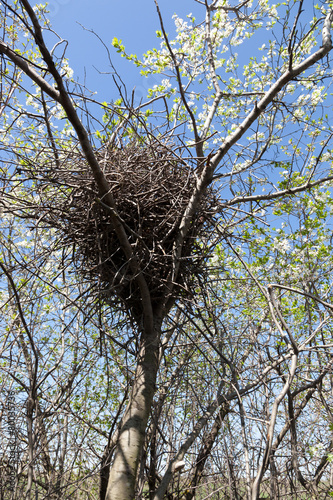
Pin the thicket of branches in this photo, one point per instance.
(166, 283)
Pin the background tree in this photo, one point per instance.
(161, 233)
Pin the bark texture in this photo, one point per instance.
(123, 471)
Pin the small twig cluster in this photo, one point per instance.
(151, 186)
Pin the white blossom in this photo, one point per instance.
(281, 245)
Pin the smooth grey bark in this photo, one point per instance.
(123, 471)
(271, 426)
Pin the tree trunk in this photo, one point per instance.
(123, 471)
(205, 452)
(104, 473)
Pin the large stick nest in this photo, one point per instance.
(151, 187)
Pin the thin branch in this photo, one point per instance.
(287, 76)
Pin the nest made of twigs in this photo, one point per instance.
(151, 186)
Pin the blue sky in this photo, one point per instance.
(135, 23)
